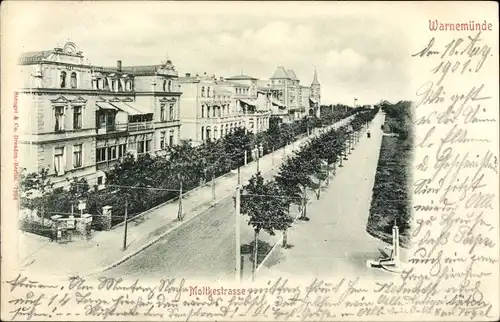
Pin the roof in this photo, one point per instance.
(35, 56)
(279, 73)
(291, 74)
(315, 78)
(241, 77)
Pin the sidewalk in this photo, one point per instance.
(334, 242)
(105, 248)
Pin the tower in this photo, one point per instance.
(316, 93)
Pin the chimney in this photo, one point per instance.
(188, 74)
(119, 65)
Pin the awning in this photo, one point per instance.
(105, 106)
(131, 109)
(249, 102)
(278, 103)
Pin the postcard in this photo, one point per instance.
(250, 161)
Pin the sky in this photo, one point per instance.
(357, 53)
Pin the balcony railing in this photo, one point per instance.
(124, 127)
(112, 128)
(140, 126)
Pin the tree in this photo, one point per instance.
(35, 188)
(185, 165)
(266, 213)
(235, 144)
(293, 181)
(312, 165)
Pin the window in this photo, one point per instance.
(169, 86)
(203, 133)
(101, 154)
(164, 85)
(73, 80)
(171, 138)
(120, 85)
(122, 149)
(113, 85)
(171, 112)
(143, 146)
(214, 111)
(99, 181)
(215, 132)
(203, 91)
(208, 111)
(202, 111)
(97, 82)
(112, 153)
(59, 161)
(162, 140)
(163, 113)
(77, 156)
(59, 117)
(208, 91)
(77, 117)
(63, 79)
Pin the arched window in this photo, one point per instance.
(169, 86)
(73, 80)
(208, 111)
(203, 91)
(63, 79)
(203, 133)
(164, 85)
(208, 91)
(202, 111)
(215, 132)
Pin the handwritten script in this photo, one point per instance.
(111, 298)
(455, 233)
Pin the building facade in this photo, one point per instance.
(291, 100)
(80, 119)
(213, 107)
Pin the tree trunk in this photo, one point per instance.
(255, 253)
(285, 238)
(319, 190)
(179, 213)
(304, 204)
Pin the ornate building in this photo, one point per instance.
(80, 118)
(290, 100)
(212, 108)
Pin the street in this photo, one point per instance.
(205, 247)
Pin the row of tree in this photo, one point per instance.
(150, 180)
(391, 198)
(268, 203)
